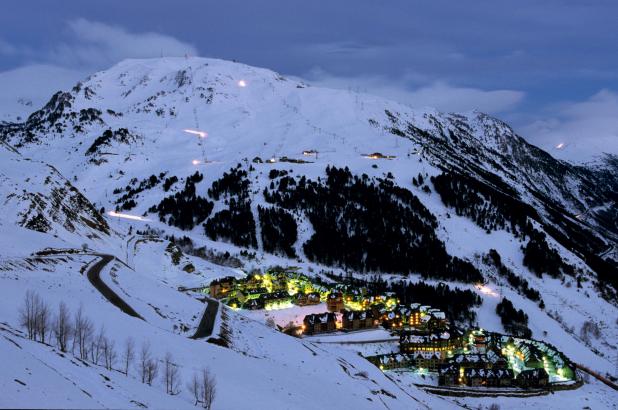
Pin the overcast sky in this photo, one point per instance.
(549, 67)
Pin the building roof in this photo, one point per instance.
(358, 314)
(533, 374)
(448, 368)
(225, 279)
(320, 318)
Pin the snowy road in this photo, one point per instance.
(94, 276)
(207, 322)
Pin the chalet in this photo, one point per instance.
(392, 320)
(380, 311)
(220, 288)
(304, 299)
(471, 361)
(334, 302)
(253, 304)
(279, 283)
(245, 295)
(533, 378)
(479, 340)
(428, 360)
(392, 361)
(414, 318)
(533, 357)
(417, 340)
(356, 320)
(474, 377)
(253, 281)
(448, 374)
(274, 300)
(438, 320)
(499, 378)
(496, 361)
(319, 323)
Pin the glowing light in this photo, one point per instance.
(242, 83)
(486, 290)
(196, 162)
(560, 146)
(127, 216)
(201, 134)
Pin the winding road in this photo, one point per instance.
(94, 276)
(207, 322)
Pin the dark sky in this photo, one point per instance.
(542, 65)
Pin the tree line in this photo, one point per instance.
(184, 209)
(236, 223)
(279, 231)
(77, 334)
(457, 304)
(369, 225)
(540, 258)
(520, 284)
(126, 200)
(514, 321)
(487, 207)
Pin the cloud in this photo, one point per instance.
(98, 45)
(92, 46)
(586, 128)
(437, 94)
(28, 88)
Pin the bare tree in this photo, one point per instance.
(208, 388)
(194, 388)
(129, 354)
(147, 365)
(152, 369)
(34, 316)
(109, 353)
(62, 327)
(82, 333)
(96, 346)
(42, 319)
(171, 375)
(27, 313)
(144, 358)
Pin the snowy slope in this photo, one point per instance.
(36, 196)
(237, 113)
(268, 368)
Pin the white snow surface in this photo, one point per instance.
(271, 117)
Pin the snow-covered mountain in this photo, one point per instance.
(132, 138)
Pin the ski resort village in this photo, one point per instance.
(187, 232)
(411, 338)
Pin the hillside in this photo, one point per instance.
(272, 171)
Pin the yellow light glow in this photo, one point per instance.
(486, 290)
